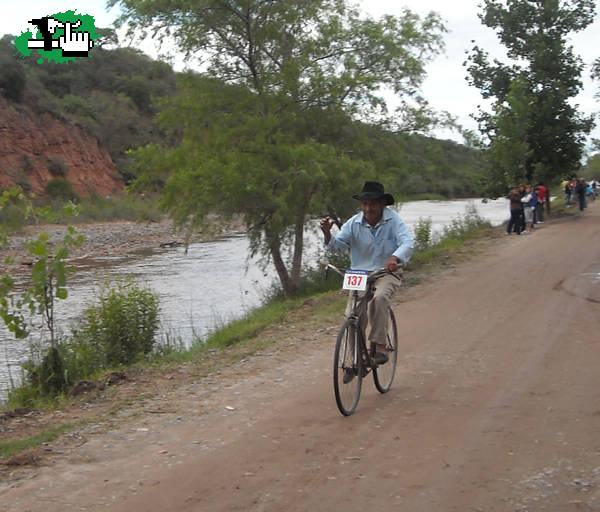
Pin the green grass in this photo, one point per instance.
(123, 207)
(14, 446)
(431, 254)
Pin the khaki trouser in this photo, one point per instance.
(385, 287)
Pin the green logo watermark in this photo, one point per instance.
(62, 37)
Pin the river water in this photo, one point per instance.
(211, 284)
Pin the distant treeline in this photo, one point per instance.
(115, 95)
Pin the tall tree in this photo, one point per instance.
(535, 34)
(509, 151)
(267, 133)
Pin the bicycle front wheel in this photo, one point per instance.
(347, 369)
(384, 374)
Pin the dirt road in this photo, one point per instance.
(495, 407)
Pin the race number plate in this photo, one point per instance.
(355, 280)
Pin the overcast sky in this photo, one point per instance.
(445, 87)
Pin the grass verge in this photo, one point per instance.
(14, 446)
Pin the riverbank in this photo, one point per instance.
(109, 239)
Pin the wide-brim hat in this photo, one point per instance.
(372, 190)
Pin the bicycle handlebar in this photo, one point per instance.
(373, 274)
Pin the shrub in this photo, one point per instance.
(423, 234)
(52, 378)
(465, 224)
(22, 180)
(57, 167)
(12, 218)
(126, 207)
(12, 81)
(120, 329)
(61, 189)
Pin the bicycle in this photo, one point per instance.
(352, 359)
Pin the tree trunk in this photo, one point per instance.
(297, 255)
(299, 237)
(289, 287)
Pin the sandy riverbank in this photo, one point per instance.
(106, 238)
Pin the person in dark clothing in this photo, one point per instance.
(522, 193)
(580, 190)
(516, 209)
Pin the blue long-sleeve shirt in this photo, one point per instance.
(370, 247)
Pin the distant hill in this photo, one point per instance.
(109, 95)
(114, 97)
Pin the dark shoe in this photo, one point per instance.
(381, 357)
(349, 374)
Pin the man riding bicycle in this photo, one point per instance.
(376, 238)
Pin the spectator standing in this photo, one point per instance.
(568, 191)
(522, 193)
(542, 197)
(590, 192)
(515, 211)
(529, 201)
(580, 190)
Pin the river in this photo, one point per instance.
(209, 285)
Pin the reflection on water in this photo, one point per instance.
(210, 285)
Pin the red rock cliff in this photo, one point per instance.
(31, 146)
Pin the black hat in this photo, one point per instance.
(373, 190)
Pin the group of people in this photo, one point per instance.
(527, 202)
(527, 205)
(581, 190)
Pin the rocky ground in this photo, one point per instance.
(101, 239)
(106, 239)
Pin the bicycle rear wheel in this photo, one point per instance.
(384, 374)
(347, 369)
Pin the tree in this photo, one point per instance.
(509, 151)
(12, 72)
(268, 133)
(546, 74)
(591, 170)
(47, 283)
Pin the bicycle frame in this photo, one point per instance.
(358, 310)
